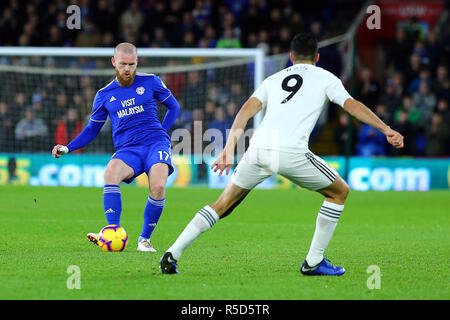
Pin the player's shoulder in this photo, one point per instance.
(109, 86)
(273, 77)
(145, 75)
(102, 93)
(151, 78)
(325, 74)
(142, 76)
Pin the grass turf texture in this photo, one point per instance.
(255, 253)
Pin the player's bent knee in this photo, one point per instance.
(111, 177)
(346, 190)
(343, 191)
(157, 191)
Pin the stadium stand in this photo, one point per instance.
(412, 94)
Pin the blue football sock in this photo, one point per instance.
(152, 212)
(112, 203)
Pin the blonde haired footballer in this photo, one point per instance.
(292, 100)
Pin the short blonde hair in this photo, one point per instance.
(125, 47)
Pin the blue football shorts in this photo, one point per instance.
(142, 158)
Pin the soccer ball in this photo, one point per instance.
(112, 238)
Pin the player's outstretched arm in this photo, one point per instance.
(225, 160)
(173, 110)
(84, 138)
(364, 114)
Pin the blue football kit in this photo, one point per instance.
(139, 137)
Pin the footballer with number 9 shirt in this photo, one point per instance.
(141, 141)
(292, 99)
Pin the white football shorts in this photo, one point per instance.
(304, 169)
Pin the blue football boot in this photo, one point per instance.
(168, 264)
(324, 268)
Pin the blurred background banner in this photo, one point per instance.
(365, 173)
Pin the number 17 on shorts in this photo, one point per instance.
(163, 155)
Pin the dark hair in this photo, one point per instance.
(304, 46)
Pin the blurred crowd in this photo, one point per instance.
(412, 96)
(175, 23)
(54, 109)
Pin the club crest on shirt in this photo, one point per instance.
(140, 90)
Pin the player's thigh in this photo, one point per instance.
(249, 172)
(307, 171)
(161, 153)
(231, 196)
(117, 171)
(157, 179)
(246, 176)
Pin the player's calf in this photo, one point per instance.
(229, 199)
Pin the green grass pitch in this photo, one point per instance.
(254, 254)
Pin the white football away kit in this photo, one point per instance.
(292, 100)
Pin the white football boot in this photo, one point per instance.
(93, 237)
(145, 246)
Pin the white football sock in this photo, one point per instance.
(325, 224)
(202, 221)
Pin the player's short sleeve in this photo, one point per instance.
(160, 91)
(336, 92)
(99, 112)
(261, 93)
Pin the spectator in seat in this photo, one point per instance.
(435, 48)
(442, 82)
(197, 129)
(408, 130)
(90, 37)
(237, 94)
(231, 109)
(420, 49)
(390, 97)
(160, 39)
(368, 89)
(132, 18)
(221, 123)
(59, 109)
(437, 135)
(371, 142)
(400, 48)
(68, 128)
(442, 108)
(410, 109)
(425, 101)
(342, 136)
(424, 75)
(412, 70)
(193, 93)
(6, 129)
(40, 109)
(382, 112)
(209, 110)
(229, 40)
(30, 132)
(397, 83)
